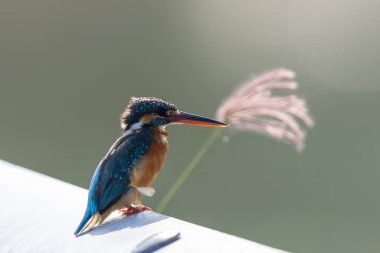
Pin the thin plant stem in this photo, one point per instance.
(187, 171)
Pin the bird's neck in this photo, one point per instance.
(162, 130)
(161, 135)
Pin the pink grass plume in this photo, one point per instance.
(254, 107)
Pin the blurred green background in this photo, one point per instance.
(68, 68)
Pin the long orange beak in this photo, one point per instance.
(192, 119)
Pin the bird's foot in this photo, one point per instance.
(133, 209)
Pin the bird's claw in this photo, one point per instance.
(134, 209)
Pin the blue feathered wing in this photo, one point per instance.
(112, 176)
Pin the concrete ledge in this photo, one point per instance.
(40, 214)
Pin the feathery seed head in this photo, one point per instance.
(254, 107)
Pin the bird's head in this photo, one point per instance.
(154, 112)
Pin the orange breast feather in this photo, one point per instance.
(146, 171)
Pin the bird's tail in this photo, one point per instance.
(89, 221)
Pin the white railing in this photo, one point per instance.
(39, 214)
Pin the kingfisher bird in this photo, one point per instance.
(135, 160)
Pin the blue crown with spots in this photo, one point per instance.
(139, 107)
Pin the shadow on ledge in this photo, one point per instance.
(119, 223)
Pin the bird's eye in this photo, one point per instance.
(170, 113)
